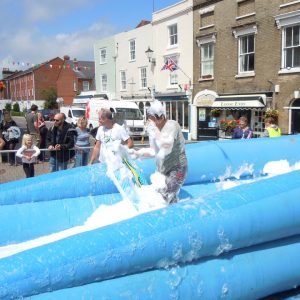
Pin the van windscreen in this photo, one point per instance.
(130, 113)
(78, 113)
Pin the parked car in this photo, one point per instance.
(49, 113)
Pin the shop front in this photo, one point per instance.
(206, 124)
(217, 115)
(232, 107)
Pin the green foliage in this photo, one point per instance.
(16, 107)
(8, 106)
(50, 96)
(215, 112)
(17, 113)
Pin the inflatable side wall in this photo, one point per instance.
(240, 275)
(241, 243)
(207, 161)
(181, 233)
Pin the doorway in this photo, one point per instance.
(295, 122)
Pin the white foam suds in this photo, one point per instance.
(150, 200)
(104, 215)
(270, 169)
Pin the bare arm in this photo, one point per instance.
(95, 152)
(129, 143)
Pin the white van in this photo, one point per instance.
(126, 113)
(82, 99)
(73, 113)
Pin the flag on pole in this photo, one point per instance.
(169, 65)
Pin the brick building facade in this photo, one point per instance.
(67, 77)
(246, 60)
(27, 86)
(74, 77)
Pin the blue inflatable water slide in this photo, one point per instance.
(239, 243)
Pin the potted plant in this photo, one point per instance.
(228, 125)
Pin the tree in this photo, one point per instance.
(16, 107)
(50, 97)
(8, 106)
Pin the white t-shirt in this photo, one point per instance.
(109, 137)
(32, 152)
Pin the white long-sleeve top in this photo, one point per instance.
(31, 152)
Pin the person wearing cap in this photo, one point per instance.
(109, 133)
(167, 145)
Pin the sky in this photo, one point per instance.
(34, 31)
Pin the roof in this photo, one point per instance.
(21, 73)
(143, 23)
(82, 69)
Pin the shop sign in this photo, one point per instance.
(204, 102)
(205, 98)
(201, 114)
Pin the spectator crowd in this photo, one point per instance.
(65, 145)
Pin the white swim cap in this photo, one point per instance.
(156, 108)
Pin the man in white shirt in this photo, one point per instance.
(108, 134)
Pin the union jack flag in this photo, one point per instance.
(169, 65)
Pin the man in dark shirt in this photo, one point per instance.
(61, 139)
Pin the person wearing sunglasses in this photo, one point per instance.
(167, 145)
(61, 138)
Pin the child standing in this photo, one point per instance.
(28, 152)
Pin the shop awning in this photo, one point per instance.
(179, 96)
(240, 101)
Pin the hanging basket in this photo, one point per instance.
(272, 113)
(215, 113)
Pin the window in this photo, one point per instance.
(178, 111)
(104, 83)
(258, 123)
(206, 45)
(103, 56)
(173, 37)
(123, 80)
(290, 50)
(173, 76)
(246, 53)
(246, 49)
(143, 72)
(207, 60)
(291, 47)
(85, 85)
(132, 49)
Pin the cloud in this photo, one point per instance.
(50, 9)
(27, 41)
(38, 47)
